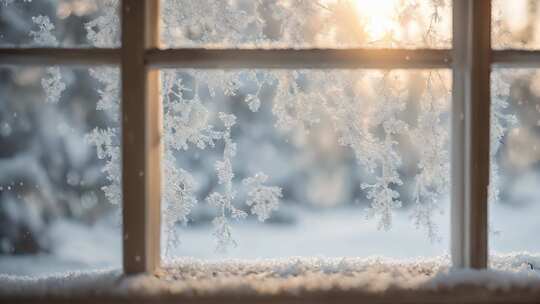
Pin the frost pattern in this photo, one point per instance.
(104, 30)
(52, 83)
(369, 125)
(262, 199)
(186, 120)
(7, 2)
(208, 21)
(306, 23)
(431, 138)
(224, 201)
(45, 33)
(369, 128)
(500, 122)
(187, 126)
(181, 123)
(108, 149)
(384, 197)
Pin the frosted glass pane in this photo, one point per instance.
(515, 172)
(59, 170)
(336, 163)
(59, 23)
(516, 24)
(299, 23)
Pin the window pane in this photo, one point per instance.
(516, 24)
(300, 23)
(59, 23)
(515, 171)
(59, 170)
(266, 164)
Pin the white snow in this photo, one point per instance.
(332, 233)
(282, 276)
(335, 232)
(211, 273)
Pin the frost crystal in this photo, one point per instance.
(108, 149)
(225, 201)
(431, 137)
(52, 83)
(179, 199)
(365, 109)
(208, 21)
(391, 103)
(45, 33)
(303, 23)
(104, 31)
(187, 125)
(187, 121)
(500, 122)
(262, 199)
(190, 125)
(254, 102)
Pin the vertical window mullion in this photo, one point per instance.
(470, 132)
(460, 14)
(141, 138)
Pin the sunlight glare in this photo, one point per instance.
(379, 16)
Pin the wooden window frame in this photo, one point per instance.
(470, 58)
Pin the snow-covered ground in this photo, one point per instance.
(338, 232)
(515, 226)
(330, 233)
(76, 247)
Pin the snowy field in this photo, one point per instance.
(331, 233)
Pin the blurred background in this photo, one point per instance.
(55, 216)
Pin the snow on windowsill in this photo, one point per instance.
(293, 276)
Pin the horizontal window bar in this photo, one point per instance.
(58, 56)
(516, 58)
(263, 58)
(298, 58)
(237, 58)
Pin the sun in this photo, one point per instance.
(379, 16)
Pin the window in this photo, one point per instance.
(316, 153)
(202, 50)
(306, 24)
(514, 166)
(59, 24)
(51, 173)
(60, 187)
(515, 25)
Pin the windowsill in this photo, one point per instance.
(298, 280)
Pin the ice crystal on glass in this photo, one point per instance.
(44, 35)
(52, 83)
(364, 108)
(261, 198)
